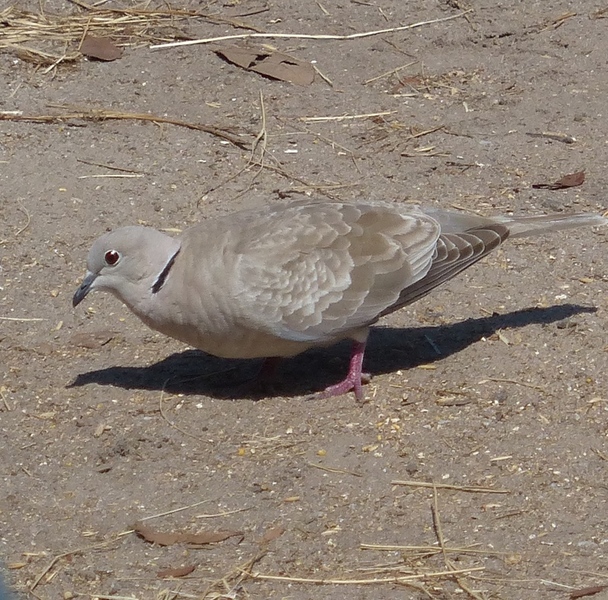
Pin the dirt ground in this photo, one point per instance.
(493, 388)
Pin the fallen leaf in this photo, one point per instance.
(169, 538)
(589, 591)
(272, 534)
(92, 339)
(209, 537)
(175, 572)
(567, 181)
(268, 63)
(156, 537)
(100, 48)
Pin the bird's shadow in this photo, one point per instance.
(388, 350)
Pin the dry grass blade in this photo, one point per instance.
(441, 541)
(514, 382)
(107, 176)
(333, 470)
(110, 115)
(222, 514)
(396, 579)
(28, 217)
(232, 581)
(346, 117)
(163, 414)
(426, 550)
(40, 57)
(175, 510)
(261, 140)
(554, 135)
(389, 73)
(303, 36)
(446, 486)
(127, 26)
(104, 597)
(22, 320)
(4, 399)
(106, 166)
(48, 39)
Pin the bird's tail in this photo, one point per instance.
(524, 226)
(459, 222)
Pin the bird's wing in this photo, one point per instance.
(455, 253)
(312, 271)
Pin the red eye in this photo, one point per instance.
(111, 257)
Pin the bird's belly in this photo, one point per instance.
(245, 344)
(249, 345)
(233, 342)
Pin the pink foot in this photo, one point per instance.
(354, 379)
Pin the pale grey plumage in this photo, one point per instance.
(277, 281)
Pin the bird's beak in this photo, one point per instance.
(84, 289)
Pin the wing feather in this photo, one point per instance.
(311, 272)
(455, 252)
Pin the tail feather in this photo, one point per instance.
(536, 225)
(458, 222)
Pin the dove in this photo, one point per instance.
(276, 281)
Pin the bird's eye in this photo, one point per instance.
(111, 257)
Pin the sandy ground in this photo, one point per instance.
(493, 388)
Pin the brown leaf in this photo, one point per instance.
(92, 339)
(156, 537)
(270, 64)
(571, 180)
(175, 572)
(272, 534)
(589, 591)
(567, 181)
(100, 48)
(169, 538)
(242, 57)
(210, 537)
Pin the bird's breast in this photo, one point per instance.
(212, 324)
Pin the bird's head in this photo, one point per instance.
(128, 263)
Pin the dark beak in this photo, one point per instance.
(84, 289)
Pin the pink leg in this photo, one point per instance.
(353, 379)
